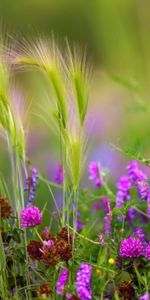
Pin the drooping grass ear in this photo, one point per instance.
(79, 74)
(45, 55)
(10, 121)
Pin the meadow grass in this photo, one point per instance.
(79, 257)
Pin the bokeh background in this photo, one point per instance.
(117, 37)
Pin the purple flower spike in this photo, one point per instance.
(83, 279)
(94, 174)
(123, 186)
(31, 184)
(143, 189)
(59, 175)
(131, 248)
(135, 174)
(61, 282)
(106, 205)
(31, 216)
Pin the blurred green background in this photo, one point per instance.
(117, 36)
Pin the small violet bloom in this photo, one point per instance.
(31, 185)
(59, 175)
(94, 174)
(134, 173)
(61, 282)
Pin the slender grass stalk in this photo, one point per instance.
(47, 57)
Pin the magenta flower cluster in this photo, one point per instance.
(131, 248)
(83, 281)
(61, 282)
(30, 216)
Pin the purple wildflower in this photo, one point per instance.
(79, 225)
(147, 251)
(61, 282)
(31, 184)
(144, 297)
(131, 247)
(94, 173)
(131, 213)
(139, 233)
(123, 186)
(135, 174)
(59, 175)
(143, 189)
(106, 205)
(83, 279)
(31, 216)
